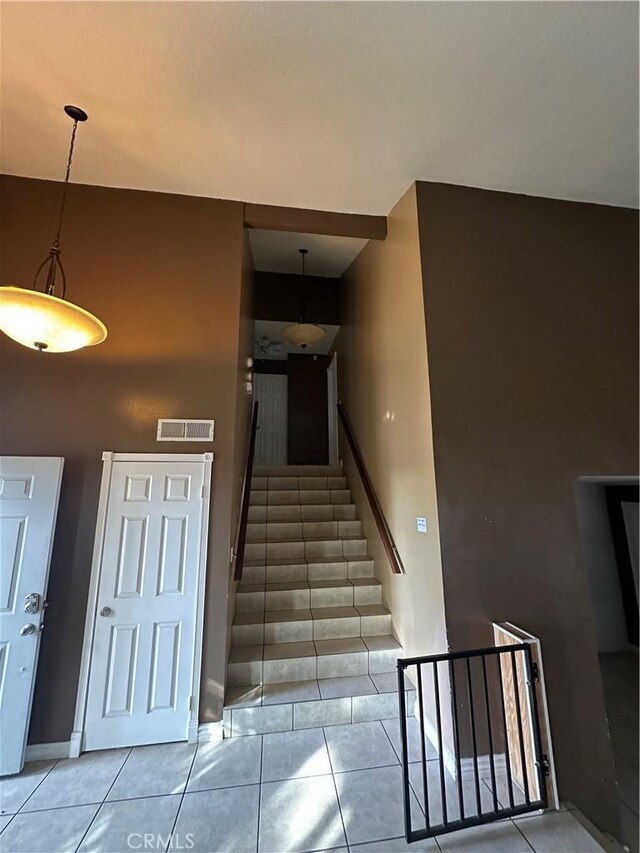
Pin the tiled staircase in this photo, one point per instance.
(312, 642)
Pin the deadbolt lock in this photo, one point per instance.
(32, 602)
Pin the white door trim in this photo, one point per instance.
(76, 743)
(519, 635)
(332, 410)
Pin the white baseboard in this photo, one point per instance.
(47, 751)
(208, 732)
(204, 733)
(75, 744)
(448, 757)
(467, 765)
(467, 769)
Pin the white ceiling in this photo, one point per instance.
(271, 330)
(329, 105)
(277, 251)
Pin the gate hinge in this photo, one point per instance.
(535, 671)
(191, 703)
(545, 765)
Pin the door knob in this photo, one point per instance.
(106, 611)
(27, 629)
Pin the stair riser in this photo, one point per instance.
(282, 484)
(311, 629)
(303, 599)
(303, 530)
(307, 572)
(310, 668)
(261, 513)
(297, 599)
(291, 497)
(297, 471)
(315, 551)
(315, 714)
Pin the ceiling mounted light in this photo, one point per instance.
(303, 334)
(39, 319)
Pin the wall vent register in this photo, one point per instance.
(179, 429)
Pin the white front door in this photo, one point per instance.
(142, 659)
(29, 491)
(271, 440)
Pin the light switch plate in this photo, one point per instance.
(421, 524)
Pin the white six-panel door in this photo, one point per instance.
(271, 440)
(144, 642)
(29, 491)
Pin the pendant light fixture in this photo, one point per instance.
(303, 334)
(36, 317)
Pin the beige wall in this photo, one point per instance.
(383, 381)
(164, 272)
(244, 403)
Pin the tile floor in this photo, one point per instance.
(337, 788)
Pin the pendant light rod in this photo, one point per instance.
(303, 334)
(53, 259)
(303, 312)
(77, 115)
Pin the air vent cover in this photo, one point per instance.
(179, 429)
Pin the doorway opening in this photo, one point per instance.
(296, 384)
(608, 523)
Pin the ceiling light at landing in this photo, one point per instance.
(303, 334)
(39, 319)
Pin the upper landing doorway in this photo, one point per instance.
(296, 386)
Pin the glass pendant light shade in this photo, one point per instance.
(39, 319)
(46, 323)
(304, 334)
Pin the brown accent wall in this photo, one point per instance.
(164, 272)
(307, 417)
(281, 296)
(531, 308)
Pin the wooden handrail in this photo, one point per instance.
(376, 509)
(237, 555)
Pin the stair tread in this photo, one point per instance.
(312, 648)
(352, 645)
(257, 490)
(274, 616)
(308, 471)
(258, 617)
(297, 540)
(306, 561)
(345, 612)
(299, 691)
(293, 585)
